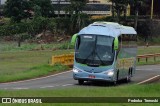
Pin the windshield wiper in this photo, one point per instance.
(94, 53)
(90, 64)
(99, 58)
(88, 56)
(97, 53)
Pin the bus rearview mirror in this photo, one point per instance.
(116, 43)
(73, 40)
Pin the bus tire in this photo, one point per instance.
(131, 72)
(80, 82)
(128, 78)
(116, 80)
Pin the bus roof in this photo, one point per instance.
(108, 29)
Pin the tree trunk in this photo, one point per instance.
(125, 14)
(19, 41)
(59, 8)
(118, 15)
(112, 9)
(136, 19)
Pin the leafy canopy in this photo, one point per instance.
(17, 9)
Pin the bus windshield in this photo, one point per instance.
(94, 50)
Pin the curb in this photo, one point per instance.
(150, 80)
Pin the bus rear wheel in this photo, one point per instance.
(128, 79)
(80, 82)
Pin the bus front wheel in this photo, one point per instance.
(80, 82)
(117, 78)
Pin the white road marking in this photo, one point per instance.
(36, 78)
(143, 69)
(147, 80)
(148, 69)
(49, 86)
(20, 88)
(67, 85)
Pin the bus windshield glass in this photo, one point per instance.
(94, 50)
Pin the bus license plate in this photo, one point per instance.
(91, 76)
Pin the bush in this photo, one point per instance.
(62, 24)
(12, 29)
(148, 29)
(66, 45)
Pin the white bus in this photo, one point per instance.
(104, 51)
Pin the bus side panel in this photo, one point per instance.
(127, 55)
(133, 46)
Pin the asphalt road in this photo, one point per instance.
(65, 80)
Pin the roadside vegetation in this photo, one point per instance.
(148, 50)
(132, 90)
(31, 61)
(29, 64)
(12, 46)
(150, 90)
(143, 50)
(31, 33)
(37, 71)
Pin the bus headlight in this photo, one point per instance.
(75, 70)
(110, 72)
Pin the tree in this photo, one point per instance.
(77, 17)
(77, 5)
(46, 7)
(136, 4)
(119, 7)
(157, 7)
(37, 11)
(40, 25)
(17, 9)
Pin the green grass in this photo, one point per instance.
(28, 61)
(22, 64)
(150, 61)
(33, 72)
(148, 50)
(16, 65)
(150, 41)
(13, 46)
(150, 90)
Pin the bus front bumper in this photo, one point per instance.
(92, 77)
